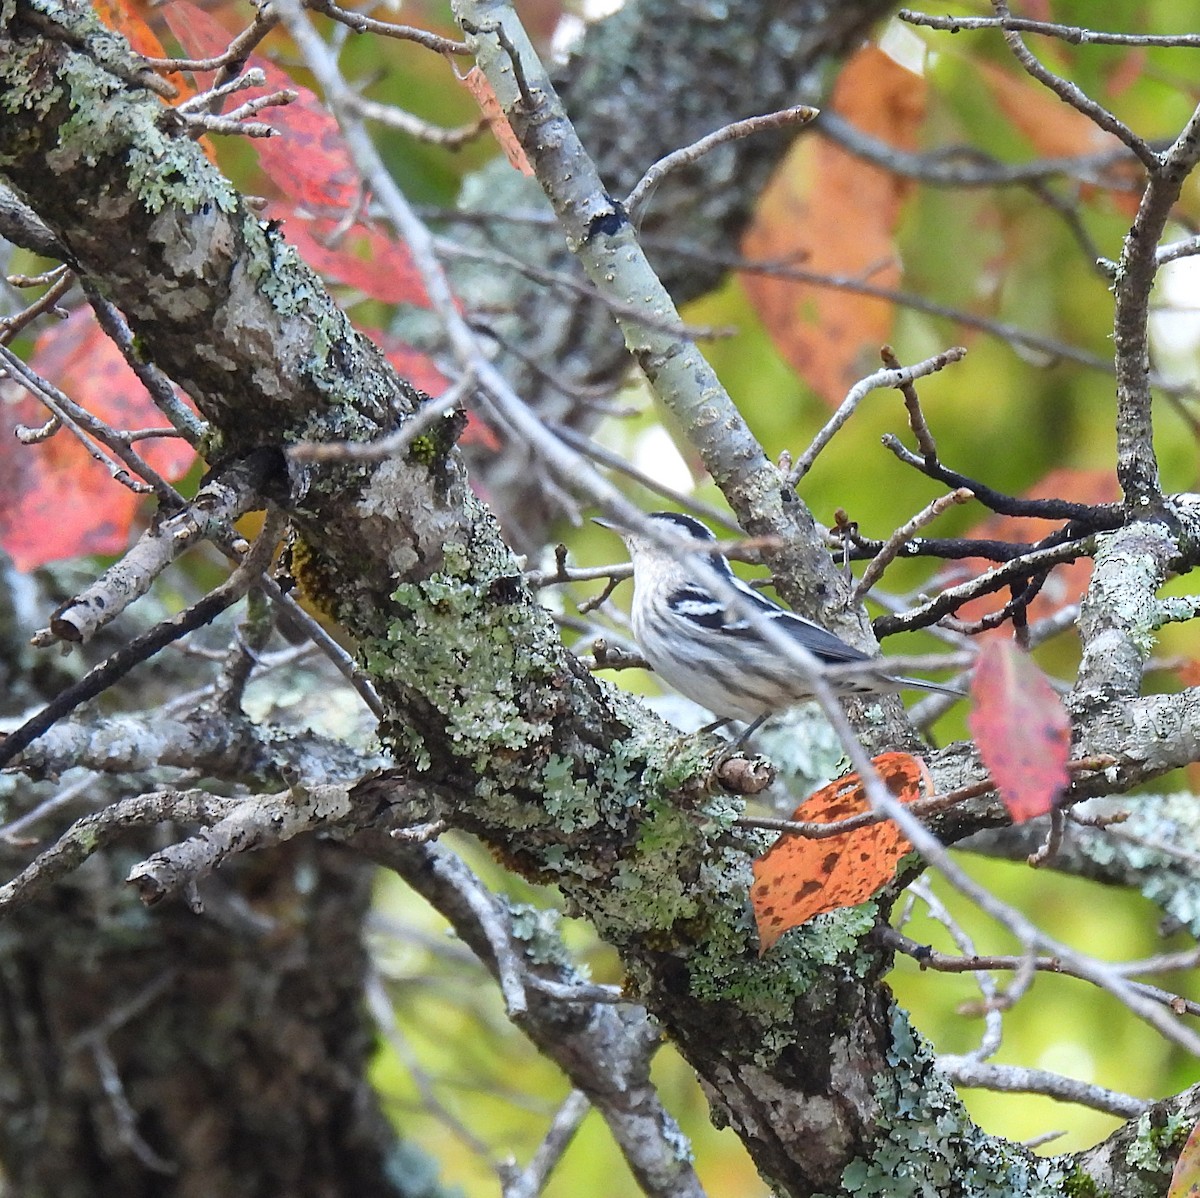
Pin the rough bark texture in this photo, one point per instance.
(235, 1035)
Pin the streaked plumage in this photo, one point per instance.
(711, 652)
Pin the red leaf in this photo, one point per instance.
(59, 501)
(308, 162)
(313, 172)
(1021, 728)
(799, 877)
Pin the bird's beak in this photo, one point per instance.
(607, 524)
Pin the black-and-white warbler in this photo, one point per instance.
(714, 651)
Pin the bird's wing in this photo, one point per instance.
(703, 611)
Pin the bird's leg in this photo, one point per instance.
(750, 729)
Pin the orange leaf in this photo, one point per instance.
(123, 17)
(1188, 672)
(58, 501)
(477, 84)
(1051, 125)
(799, 877)
(1021, 729)
(1185, 1180)
(832, 213)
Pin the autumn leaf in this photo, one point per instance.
(1052, 126)
(1066, 583)
(314, 175)
(829, 212)
(1021, 729)
(127, 18)
(59, 502)
(308, 161)
(1185, 1180)
(477, 84)
(799, 877)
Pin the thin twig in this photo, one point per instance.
(398, 118)
(13, 831)
(530, 1181)
(813, 830)
(909, 529)
(93, 832)
(407, 33)
(162, 391)
(60, 279)
(1070, 93)
(967, 167)
(1010, 334)
(1049, 850)
(342, 661)
(236, 52)
(1016, 1079)
(143, 647)
(89, 429)
(912, 404)
(881, 378)
(394, 443)
(639, 197)
(598, 453)
(1074, 34)
(990, 581)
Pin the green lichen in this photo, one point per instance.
(679, 763)
(423, 450)
(430, 449)
(22, 89)
(165, 167)
(466, 653)
(570, 800)
(1156, 1144)
(822, 954)
(538, 928)
(1176, 609)
(928, 1147)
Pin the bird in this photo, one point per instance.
(713, 651)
